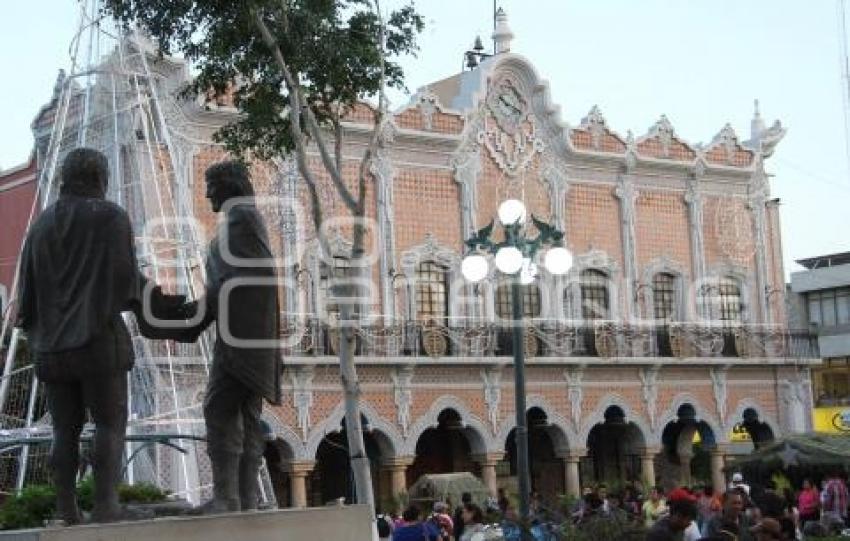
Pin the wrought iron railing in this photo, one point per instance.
(309, 336)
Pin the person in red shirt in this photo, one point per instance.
(808, 503)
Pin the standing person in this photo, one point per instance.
(631, 504)
(503, 501)
(682, 512)
(441, 520)
(808, 503)
(413, 529)
(241, 297)
(654, 507)
(473, 519)
(738, 482)
(78, 273)
(835, 499)
(733, 512)
(465, 498)
(705, 506)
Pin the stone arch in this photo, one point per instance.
(738, 415)
(558, 429)
(280, 431)
(475, 429)
(702, 414)
(387, 436)
(597, 416)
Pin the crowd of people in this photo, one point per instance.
(739, 512)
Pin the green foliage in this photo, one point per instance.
(141, 493)
(29, 509)
(604, 529)
(331, 47)
(36, 504)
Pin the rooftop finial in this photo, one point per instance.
(757, 124)
(502, 35)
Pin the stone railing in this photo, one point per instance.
(548, 339)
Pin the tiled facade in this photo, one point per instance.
(632, 208)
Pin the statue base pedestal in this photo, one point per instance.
(340, 523)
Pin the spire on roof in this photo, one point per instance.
(757, 123)
(502, 35)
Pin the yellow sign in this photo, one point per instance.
(832, 420)
(739, 435)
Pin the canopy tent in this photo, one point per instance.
(447, 486)
(802, 450)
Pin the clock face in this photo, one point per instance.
(507, 106)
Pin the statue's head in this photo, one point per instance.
(85, 173)
(226, 180)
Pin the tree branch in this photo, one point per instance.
(296, 114)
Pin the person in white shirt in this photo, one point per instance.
(738, 482)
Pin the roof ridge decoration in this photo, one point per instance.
(601, 137)
(661, 141)
(725, 148)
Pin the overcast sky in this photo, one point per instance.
(700, 62)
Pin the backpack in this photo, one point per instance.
(384, 529)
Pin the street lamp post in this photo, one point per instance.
(515, 257)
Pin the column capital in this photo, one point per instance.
(720, 449)
(573, 455)
(299, 467)
(488, 459)
(650, 451)
(397, 462)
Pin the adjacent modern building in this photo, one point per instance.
(820, 299)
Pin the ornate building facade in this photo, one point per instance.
(668, 332)
(671, 322)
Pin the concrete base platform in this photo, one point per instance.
(348, 523)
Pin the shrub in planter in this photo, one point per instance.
(29, 509)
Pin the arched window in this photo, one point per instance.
(664, 296)
(595, 295)
(530, 301)
(730, 303)
(432, 291)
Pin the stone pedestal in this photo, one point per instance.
(488, 470)
(298, 472)
(343, 523)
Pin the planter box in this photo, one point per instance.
(342, 523)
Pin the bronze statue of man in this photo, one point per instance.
(241, 297)
(78, 273)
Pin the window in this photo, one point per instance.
(530, 301)
(729, 300)
(341, 269)
(431, 291)
(595, 303)
(664, 296)
(829, 307)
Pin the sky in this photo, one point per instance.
(700, 62)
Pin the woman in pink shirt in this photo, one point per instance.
(808, 503)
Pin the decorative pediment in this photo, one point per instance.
(726, 149)
(430, 250)
(594, 134)
(426, 112)
(661, 141)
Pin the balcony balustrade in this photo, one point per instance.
(464, 338)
